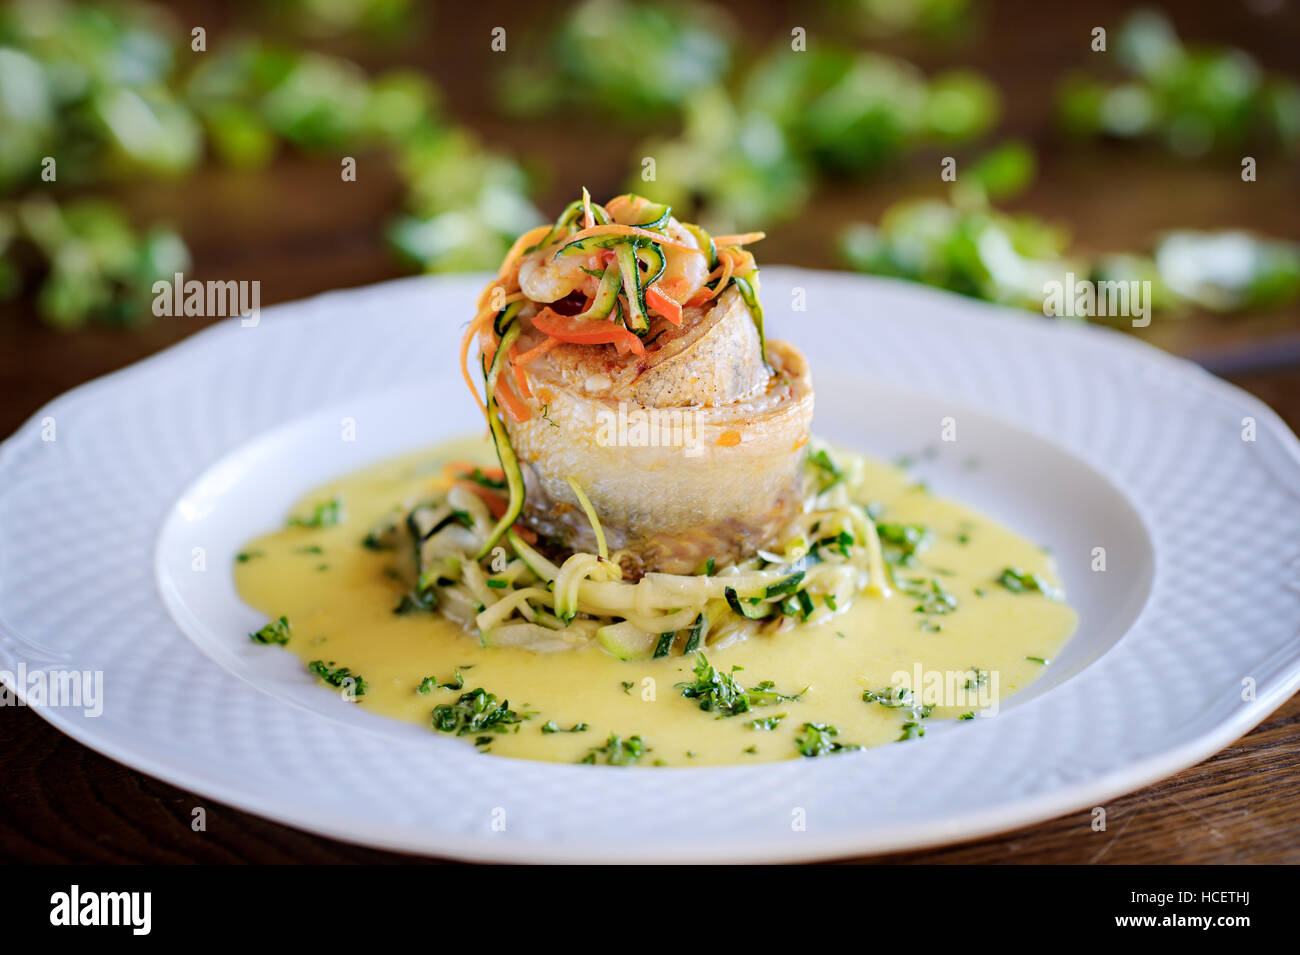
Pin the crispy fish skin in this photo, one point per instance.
(689, 452)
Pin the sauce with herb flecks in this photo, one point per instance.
(963, 622)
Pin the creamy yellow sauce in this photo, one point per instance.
(339, 598)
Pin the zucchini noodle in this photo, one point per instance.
(828, 556)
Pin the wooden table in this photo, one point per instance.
(299, 231)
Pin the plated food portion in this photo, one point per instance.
(661, 566)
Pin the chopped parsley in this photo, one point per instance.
(430, 683)
(427, 685)
(244, 556)
(341, 677)
(325, 514)
(900, 543)
(819, 740)
(550, 727)
(935, 600)
(720, 692)
(768, 723)
(1019, 582)
(277, 631)
(911, 730)
(477, 711)
(617, 751)
(897, 697)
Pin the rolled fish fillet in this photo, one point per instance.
(689, 452)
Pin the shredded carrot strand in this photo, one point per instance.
(537, 351)
(496, 504)
(506, 396)
(507, 297)
(521, 378)
(462, 469)
(743, 238)
(664, 305)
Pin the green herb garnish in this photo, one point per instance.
(550, 727)
(819, 740)
(340, 677)
(326, 514)
(1019, 582)
(720, 692)
(277, 631)
(617, 751)
(475, 712)
(911, 731)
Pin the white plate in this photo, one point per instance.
(1084, 438)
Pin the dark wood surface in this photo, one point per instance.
(299, 231)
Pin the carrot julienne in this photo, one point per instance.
(664, 305)
(459, 469)
(521, 378)
(509, 400)
(599, 332)
(496, 503)
(537, 351)
(743, 238)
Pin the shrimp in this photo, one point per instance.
(544, 278)
(685, 272)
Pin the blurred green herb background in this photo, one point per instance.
(127, 140)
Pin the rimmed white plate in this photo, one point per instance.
(1079, 437)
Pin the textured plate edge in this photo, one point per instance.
(955, 829)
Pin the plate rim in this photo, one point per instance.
(844, 842)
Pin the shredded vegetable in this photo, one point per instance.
(825, 558)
